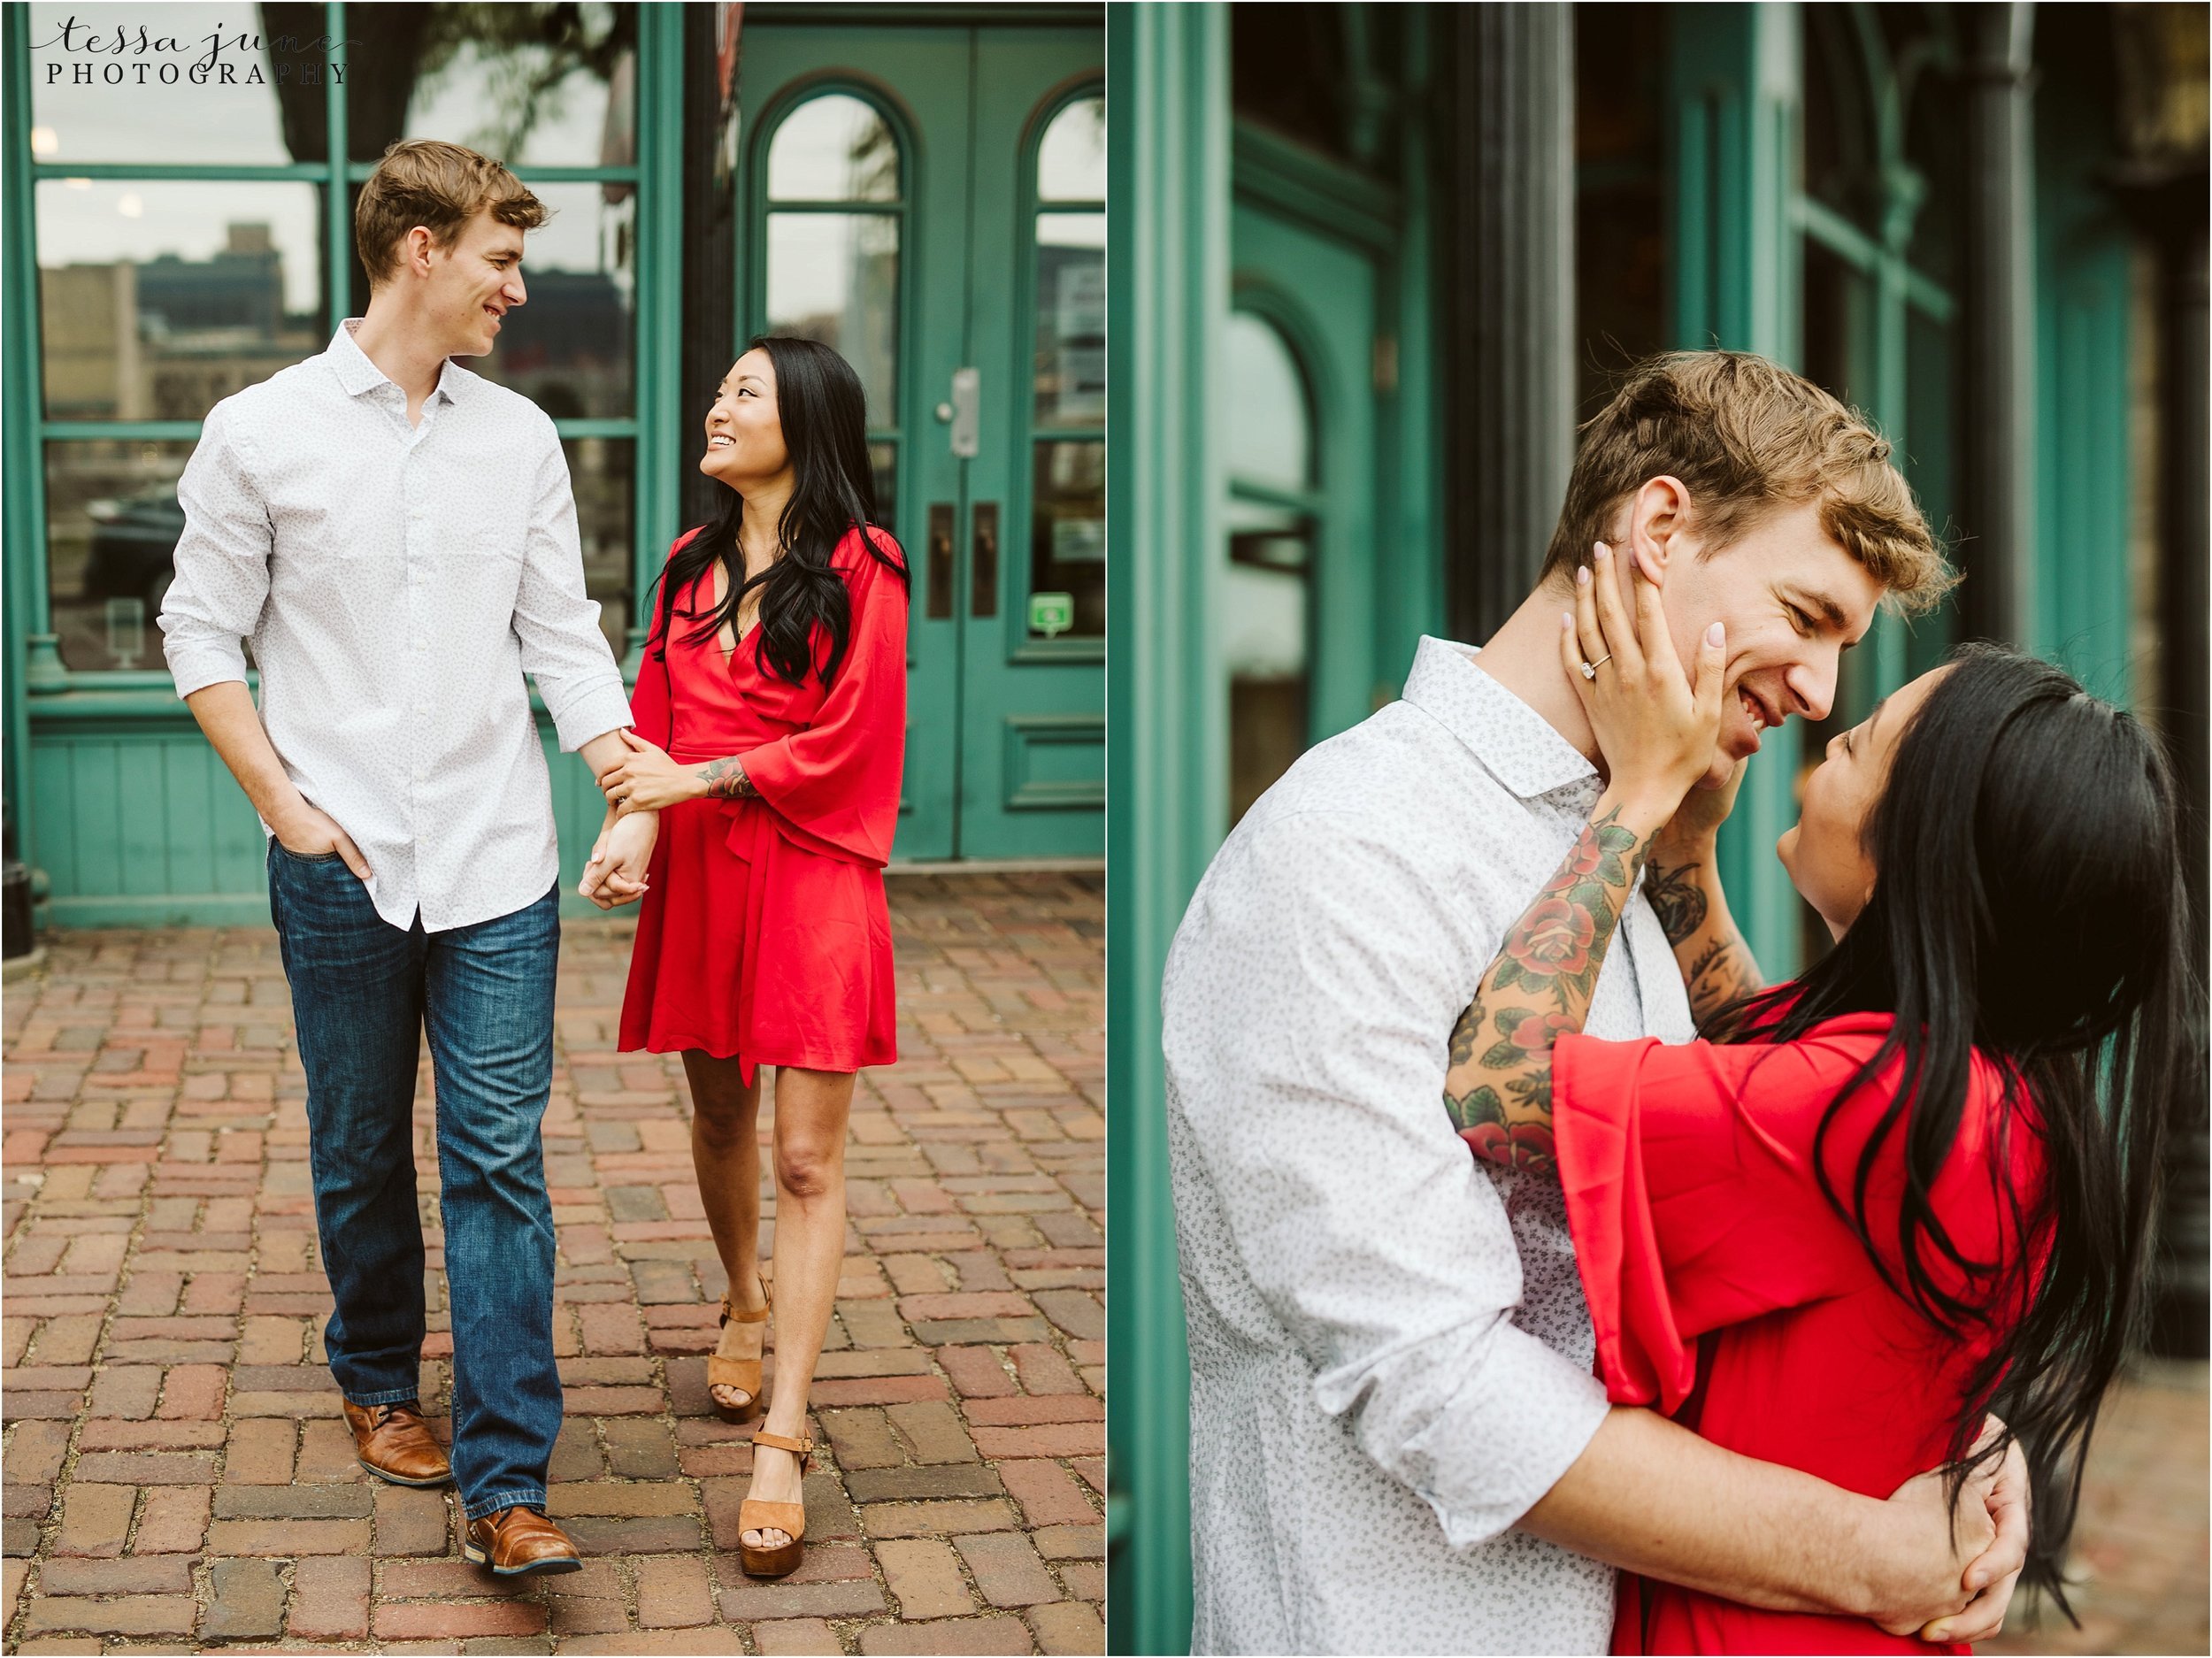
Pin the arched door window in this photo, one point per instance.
(835, 207)
(1068, 369)
(1267, 589)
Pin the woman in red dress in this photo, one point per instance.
(1909, 1193)
(771, 716)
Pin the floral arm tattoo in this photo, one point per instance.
(1717, 966)
(1498, 1089)
(725, 779)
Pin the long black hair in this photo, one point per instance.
(2027, 904)
(824, 413)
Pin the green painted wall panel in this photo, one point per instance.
(155, 831)
(48, 778)
(188, 796)
(95, 807)
(142, 819)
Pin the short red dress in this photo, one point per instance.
(1728, 1292)
(764, 935)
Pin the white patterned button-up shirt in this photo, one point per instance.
(397, 582)
(1391, 1358)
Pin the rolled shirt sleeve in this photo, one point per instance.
(222, 561)
(1307, 1014)
(563, 648)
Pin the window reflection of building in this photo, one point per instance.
(145, 329)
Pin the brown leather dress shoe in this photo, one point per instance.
(513, 1541)
(395, 1443)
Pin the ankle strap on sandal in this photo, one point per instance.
(731, 1316)
(777, 1441)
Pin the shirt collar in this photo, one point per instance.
(357, 374)
(1516, 744)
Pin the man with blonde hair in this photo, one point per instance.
(1397, 1442)
(397, 538)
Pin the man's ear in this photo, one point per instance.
(1658, 515)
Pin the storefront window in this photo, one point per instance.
(186, 84)
(1266, 597)
(570, 347)
(158, 298)
(602, 472)
(1068, 499)
(112, 527)
(535, 85)
(161, 296)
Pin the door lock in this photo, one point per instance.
(966, 413)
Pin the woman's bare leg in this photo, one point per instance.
(725, 1155)
(811, 1110)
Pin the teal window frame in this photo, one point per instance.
(753, 320)
(656, 176)
(1892, 651)
(1014, 614)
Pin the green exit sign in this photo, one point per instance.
(1051, 613)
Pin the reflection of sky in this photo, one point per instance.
(812, 258)
(92, 222)
(1072, 230)
(239, 124)
(180, 123)
(580, 236)
(832, 149)
(1262, 628)
(1072, 159)
(458, 106)
(1267, 432)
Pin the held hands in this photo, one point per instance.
(1956, 1584)
(647, 780)
(615, 874)
(1655, 733)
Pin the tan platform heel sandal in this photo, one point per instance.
(740, 1373)
(787, 1517)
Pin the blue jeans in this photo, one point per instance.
(361, 994)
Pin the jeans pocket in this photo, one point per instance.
(331, 856)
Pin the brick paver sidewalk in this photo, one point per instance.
(176, 1465)
(2140, 1546)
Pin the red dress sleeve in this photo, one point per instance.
(838, 778)
(1693, 1196)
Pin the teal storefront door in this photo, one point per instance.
(1297, 625)
(930, 200)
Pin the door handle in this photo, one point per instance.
(967, 413)
(983, 567)
(940, 561)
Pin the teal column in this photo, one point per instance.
(660, 231)
(1168, 257)
(23, 551)
(338, 221)
(28, 601)
(1733, 98)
